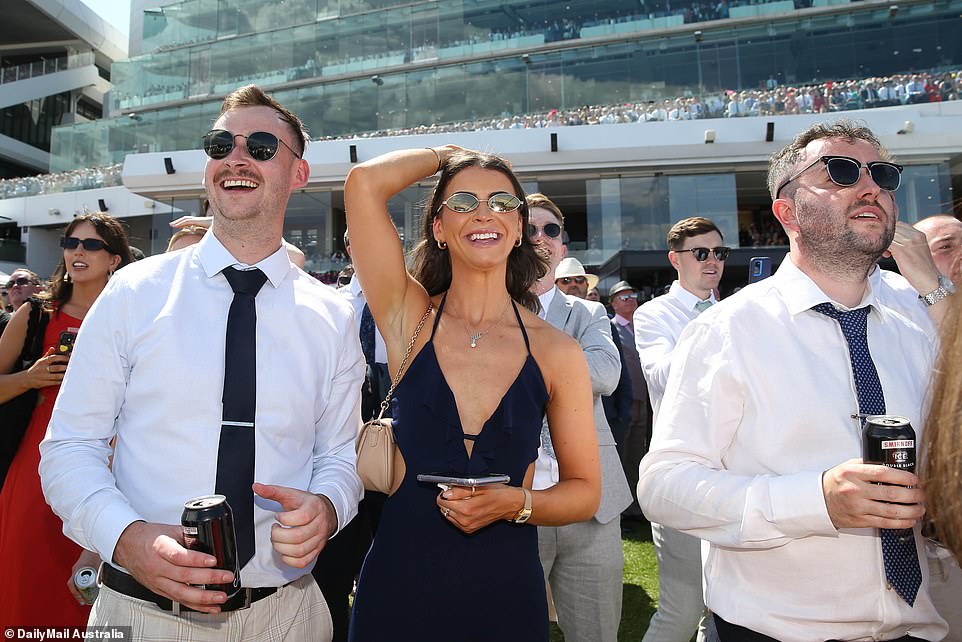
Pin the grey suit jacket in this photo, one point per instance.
(587, 322)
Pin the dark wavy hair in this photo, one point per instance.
(113, 234)
(431, 266)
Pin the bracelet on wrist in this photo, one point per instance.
(438, 156)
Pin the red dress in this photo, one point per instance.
(35, 556)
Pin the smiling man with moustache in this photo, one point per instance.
(757, 443)
(263, 388)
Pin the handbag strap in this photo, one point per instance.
(36, 326)
(400, 370)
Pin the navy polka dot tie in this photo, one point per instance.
(899, 555)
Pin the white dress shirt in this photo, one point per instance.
(148, 368)
(545, 300)
(658, 325)
(896, 292)
(353, 293)
(760, 400)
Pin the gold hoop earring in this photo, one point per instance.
(442, 245)
(518, 242)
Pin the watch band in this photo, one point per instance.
(945, 289)
(525, 513)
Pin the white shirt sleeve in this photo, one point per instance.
(75, 454)
(334, 470)
(683, 482)
(655, 343)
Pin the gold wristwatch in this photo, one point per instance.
(525, 513)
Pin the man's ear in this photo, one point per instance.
(302, 171)
(786, 213)
(673, 259)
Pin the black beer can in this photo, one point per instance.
(208, 524)
(890, 441)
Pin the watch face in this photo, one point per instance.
(946, 282)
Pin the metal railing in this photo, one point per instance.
(44, 67)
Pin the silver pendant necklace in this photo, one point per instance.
(476, 336)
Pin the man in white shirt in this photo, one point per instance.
(583, 562)
(149, 370)
(697, 252)
(757, 446)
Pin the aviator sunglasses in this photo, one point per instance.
(464, 202)
(91, 245)
(846, 171)
(262, 146)
(701, 253)
(551, 230)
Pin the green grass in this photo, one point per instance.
(640, 597)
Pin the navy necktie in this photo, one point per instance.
(899, 555)
(367, 335)
(235, 453)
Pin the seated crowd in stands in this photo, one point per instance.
(772, 100)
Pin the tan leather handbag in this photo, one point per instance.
(375, 442)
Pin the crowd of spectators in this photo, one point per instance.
(558, 29)
(771, 99)
(71, 181)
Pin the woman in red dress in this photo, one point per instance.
(35, 557)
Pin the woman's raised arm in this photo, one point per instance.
(376, 250)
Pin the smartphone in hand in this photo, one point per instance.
(445, 481)
(65, 344)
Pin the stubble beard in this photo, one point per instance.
(837, 250)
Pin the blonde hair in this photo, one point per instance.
(190, 230)
(942, 444)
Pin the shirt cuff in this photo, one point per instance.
(345, 510)
(798, 505)
(109, 525)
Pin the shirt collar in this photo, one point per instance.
(805, 294)
(620, 320)
(687, 299)
(354, 285)
(214, 257)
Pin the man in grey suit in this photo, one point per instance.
(583, 562)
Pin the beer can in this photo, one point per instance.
(889, 440)
(85, 579)
(208, 524)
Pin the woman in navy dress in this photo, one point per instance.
(463, 564)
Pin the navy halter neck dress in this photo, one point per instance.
(423, 579)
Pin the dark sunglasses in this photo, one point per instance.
(846, 171)
(701, 253)
(551, 230)
(91, 245)
(21, 281)
(262, 146)
(628, 297)
(568, 280)
(464, 202)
